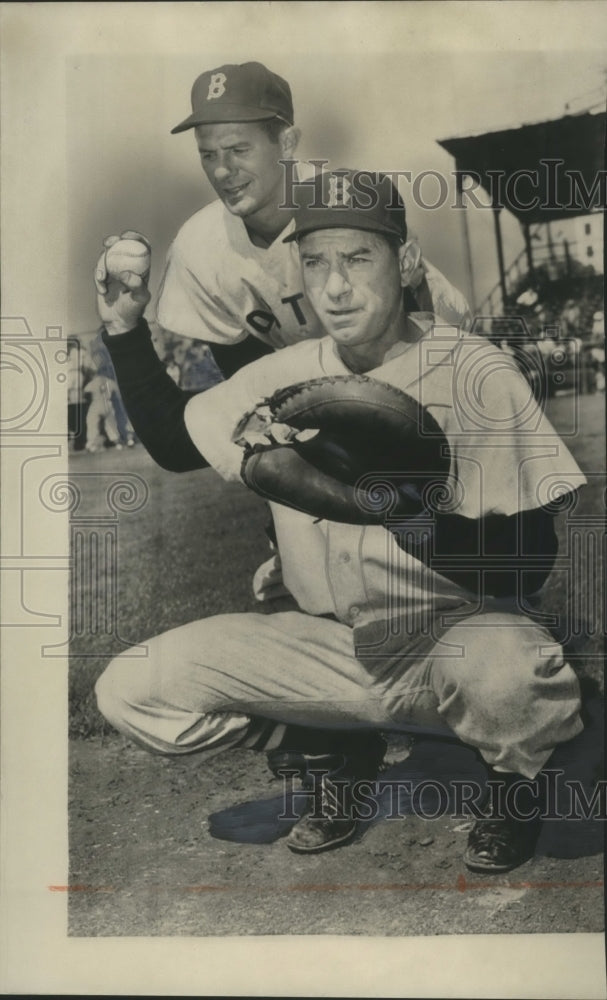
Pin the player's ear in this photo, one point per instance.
(411, 267)
(289, 141)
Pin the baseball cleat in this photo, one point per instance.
(500, 841)
(328, 778)
(311, 836)
(499, 845)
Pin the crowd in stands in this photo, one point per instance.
(556, 332)
(97, 418)
(189, 362)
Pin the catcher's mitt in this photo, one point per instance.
(368, 450)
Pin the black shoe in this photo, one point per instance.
(286, 760)
(311, 835)
(499, 845)
(328, 821)
(363, 749)
(500, 842)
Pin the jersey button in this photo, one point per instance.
(354, 611)
(344, 557)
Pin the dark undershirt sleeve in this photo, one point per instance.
(502, 556)
(154, 403)
(230, 358)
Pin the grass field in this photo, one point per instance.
(191, 551)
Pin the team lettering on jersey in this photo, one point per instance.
(262, 320)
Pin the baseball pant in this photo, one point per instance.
(96, 413)
(496, 680)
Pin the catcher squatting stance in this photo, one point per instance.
(400, 497)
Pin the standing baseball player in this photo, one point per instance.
(101, 412)
(261, 681)
(229, 274)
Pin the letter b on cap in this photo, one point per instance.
(339, 192)
(217, 86)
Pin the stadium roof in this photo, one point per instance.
(577, 141)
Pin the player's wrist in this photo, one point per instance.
(118, 328)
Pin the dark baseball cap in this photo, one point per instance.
(231, 93)
(349, 199)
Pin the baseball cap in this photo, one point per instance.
(231, 93)
(349, 199)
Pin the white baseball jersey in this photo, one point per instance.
(219, 287)
(446, 301)
(505, 457)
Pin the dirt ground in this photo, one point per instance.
(195, 846)
(144, 862)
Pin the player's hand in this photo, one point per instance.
(121, 299)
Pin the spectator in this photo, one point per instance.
(76, 406)
(571, 318)
(598, 327)
(596, 350)
(101, 412)
(199, 370)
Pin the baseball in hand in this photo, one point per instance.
(128, 255)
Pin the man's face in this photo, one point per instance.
(241, 163)
(352, 280)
